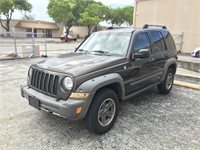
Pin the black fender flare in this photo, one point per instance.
(168, 63)
(93, 85)
(96, 83)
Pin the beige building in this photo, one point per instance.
(82, 31)
(180, 16)
(23, 28)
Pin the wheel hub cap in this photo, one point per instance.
(169, 81)
(106, 112)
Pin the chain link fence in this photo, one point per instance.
(22, 45)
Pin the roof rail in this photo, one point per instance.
(146, 26)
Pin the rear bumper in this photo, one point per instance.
(63, 108)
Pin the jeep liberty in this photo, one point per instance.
(106, 69)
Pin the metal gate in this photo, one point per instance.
(178, 39)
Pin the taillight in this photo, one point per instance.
(176, 55)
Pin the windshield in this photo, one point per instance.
(106, 43)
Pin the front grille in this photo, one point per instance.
(45, 82)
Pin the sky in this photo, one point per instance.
(39, 10)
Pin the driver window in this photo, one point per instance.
(141, 42)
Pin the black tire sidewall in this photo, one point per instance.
(162, 88)
(198, 54)
(91, 119)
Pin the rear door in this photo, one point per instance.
(159, 53)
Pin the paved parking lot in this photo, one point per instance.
(149, 121)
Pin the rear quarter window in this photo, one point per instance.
(170, 45)
(158, 42)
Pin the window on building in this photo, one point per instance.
(48, 33)
(28, 32)
(35, 32)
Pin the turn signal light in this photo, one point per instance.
(79, 95)
(78, 110)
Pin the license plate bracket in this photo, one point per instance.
(34, 102)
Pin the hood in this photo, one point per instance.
(78, 64)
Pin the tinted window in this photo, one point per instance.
(141, 42)
(162, 41)
(168, 40)
(158, 43)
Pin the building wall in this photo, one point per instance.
(57, 33)
(13, 29)
(82, 31)
(178, 15)
(21, 32)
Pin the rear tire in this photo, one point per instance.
(103, 111)
(166, 86)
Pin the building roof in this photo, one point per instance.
(37, 25)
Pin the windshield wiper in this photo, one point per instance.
(82, 50)
(100, 51)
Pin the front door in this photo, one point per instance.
(140, 70)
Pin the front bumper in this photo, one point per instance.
(64, 108)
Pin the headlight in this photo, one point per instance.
(68, 83)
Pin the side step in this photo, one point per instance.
(140, 91)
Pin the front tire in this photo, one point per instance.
(103, 111)
(166, 86)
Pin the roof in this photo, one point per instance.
(37, 25)
(124, 29)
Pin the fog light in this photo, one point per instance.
(78, 110)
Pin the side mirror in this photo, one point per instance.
(143, 53)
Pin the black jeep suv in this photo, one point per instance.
(107, 68)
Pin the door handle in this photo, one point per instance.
(166, 56)
(151, 59)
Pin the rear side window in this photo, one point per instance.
(158, 42)
(141, 42)
(170, 45)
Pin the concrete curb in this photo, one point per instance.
(186, 84)
(186, 78)
(193, 66)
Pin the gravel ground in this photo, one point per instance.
(148, 121)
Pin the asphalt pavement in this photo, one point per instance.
(148, 121)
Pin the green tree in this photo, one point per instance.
(79, 7)
(61, 11)
(115, 16)
(67, 12)
(7, 8)
(128, 14)
(28, 17)
(119, 16)
(93, 15)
